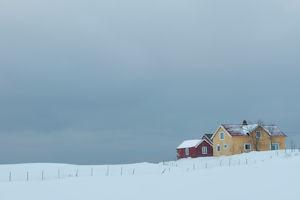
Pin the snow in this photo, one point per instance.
(248, 128)
(256, 175)
(189, 144)
(239, 129)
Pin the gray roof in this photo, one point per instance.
(240, 129)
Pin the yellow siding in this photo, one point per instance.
(227, 141)
(239, 142)
(236, 144)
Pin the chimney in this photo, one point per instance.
(245, 123)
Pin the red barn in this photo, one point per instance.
(195, 148)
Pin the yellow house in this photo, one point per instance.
(231, 139)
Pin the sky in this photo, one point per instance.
(112, 81)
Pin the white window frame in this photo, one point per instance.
(204, 149)
(249, 145)
(187, 151)
(222, 134)
(278, 145)
(256, 134)
(225, 146)
(218, 147)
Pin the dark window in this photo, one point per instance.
(222, 136)
(258, 135)
(247, 147)
(274, 146)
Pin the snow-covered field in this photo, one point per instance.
(270, 175)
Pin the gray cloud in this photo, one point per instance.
(125, 81)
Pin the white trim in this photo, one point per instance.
(256, 134)
(210, 143)
(187, 151)
(224, 130)
(222, 133)
(265, 130)
(207, 140)
(204, 150)
(249, 145)
(274, 143)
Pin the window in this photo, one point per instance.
(218, 147)
(187, 151)
(247, 147)
(274, 146)
(225, 146)
(257, 134)
(221, 136)
(204, 150)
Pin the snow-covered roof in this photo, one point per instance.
(208, 138)
(240, 129)
(189, 144)
(274, 130)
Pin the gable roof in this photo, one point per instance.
(274, 130)
(240, 129)
(208, 137)
(193, 143)
(189, 144)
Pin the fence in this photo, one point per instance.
(44, 172)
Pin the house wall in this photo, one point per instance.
(209, 149)
(236, 143)
(263, 143)
(196, 152)
(227, 141)
(281, 140)
(193, 153)
(180, 153)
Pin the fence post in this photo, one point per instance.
(9, 177)
(206, 165)
(133, 171)
(27, 176)
(194, 168)
(246, 161)
(58, 174)
(92, 171)
(121, 171)
(107, 170)
(42, 175)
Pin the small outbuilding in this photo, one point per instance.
(195, 148)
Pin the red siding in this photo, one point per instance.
(196, 152)
(209, 149)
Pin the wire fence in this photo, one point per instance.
(44, 172)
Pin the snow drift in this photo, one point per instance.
(256, 175)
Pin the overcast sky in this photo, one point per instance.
(114, 81)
